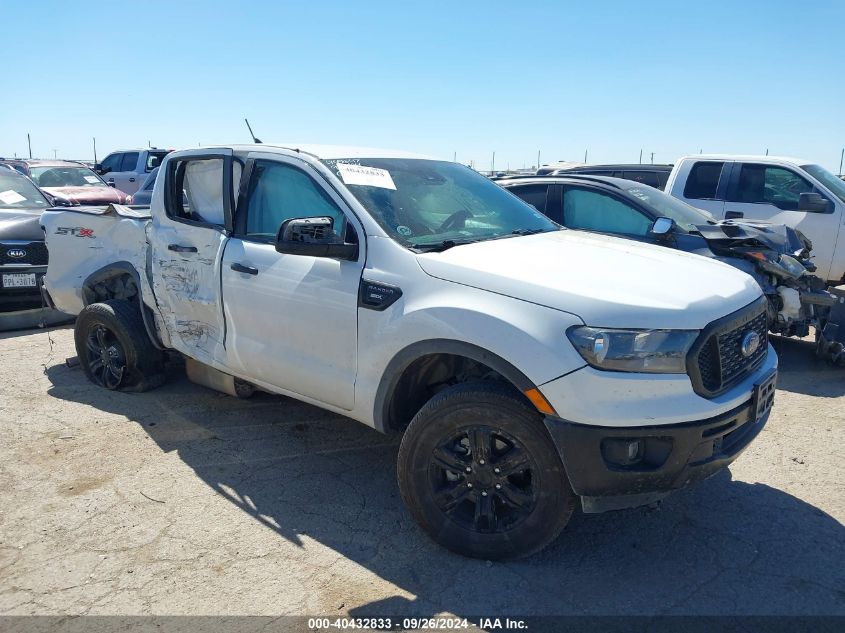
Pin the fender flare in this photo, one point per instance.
(116, 269)
(405, 357)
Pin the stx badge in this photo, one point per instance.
(78, 231)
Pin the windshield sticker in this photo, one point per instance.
(404, 230)
(92, 179)
(366, 176)
(13, 197)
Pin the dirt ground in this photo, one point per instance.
(186, 501)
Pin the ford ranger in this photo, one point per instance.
(529, 367)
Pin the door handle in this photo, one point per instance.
(731, 215)
(240, 268)
(182, 249)
(131, 180)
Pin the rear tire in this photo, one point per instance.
(479, 472)
(114, 349)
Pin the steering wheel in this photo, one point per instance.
(455, 221)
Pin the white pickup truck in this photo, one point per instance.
(526, 365)
(780, 190)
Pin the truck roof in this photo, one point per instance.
(324, 152)
(750, 157)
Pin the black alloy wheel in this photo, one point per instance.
(106, 357)
(482, 479)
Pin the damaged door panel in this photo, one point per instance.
(187, 243)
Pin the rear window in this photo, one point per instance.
(646, 177)
(154, 160)
(703, 181)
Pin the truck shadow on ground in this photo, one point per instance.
(722, 547)
(801, 371)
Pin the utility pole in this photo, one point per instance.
(585, 156)
(54, 154)
(652, 158)
(841, 156)
(95, 149)
(29, 144)
(455, 157)
(493, 164)
(767, 151)
(641, 156)
(538, 160)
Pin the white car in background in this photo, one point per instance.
(127, 169)
(779, 190)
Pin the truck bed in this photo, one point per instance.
(82, 240)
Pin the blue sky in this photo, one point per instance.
(437, 77)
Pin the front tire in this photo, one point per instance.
(480, 474)
(114, 349)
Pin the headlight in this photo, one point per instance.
(792, 265)
(650, 351)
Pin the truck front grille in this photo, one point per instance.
(35, 253)
(716, 362)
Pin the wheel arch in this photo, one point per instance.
(405, 375)
(109, 282)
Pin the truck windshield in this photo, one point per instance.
(836, 185)
(686, 216)
(17, 192)
(429, 204)
(65, 177)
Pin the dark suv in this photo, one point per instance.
(23, 254)
(651, 175)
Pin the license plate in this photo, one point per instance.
(19, 280)
(764, 395)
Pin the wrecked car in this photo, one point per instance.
(416, 296)
(68, 183)
(778, 257)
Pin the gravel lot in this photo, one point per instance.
(185, 501)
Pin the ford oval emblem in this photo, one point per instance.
(750, 343)
(16, 253)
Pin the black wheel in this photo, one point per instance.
(479, 472)
(114, 349)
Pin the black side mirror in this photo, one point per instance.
(662, 226)
(314, 237)
(813, 202)
(101, 170)
(110, 183)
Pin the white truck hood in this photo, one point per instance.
(606, 281)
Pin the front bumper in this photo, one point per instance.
(621, 467)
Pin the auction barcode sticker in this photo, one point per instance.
(367, 176)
